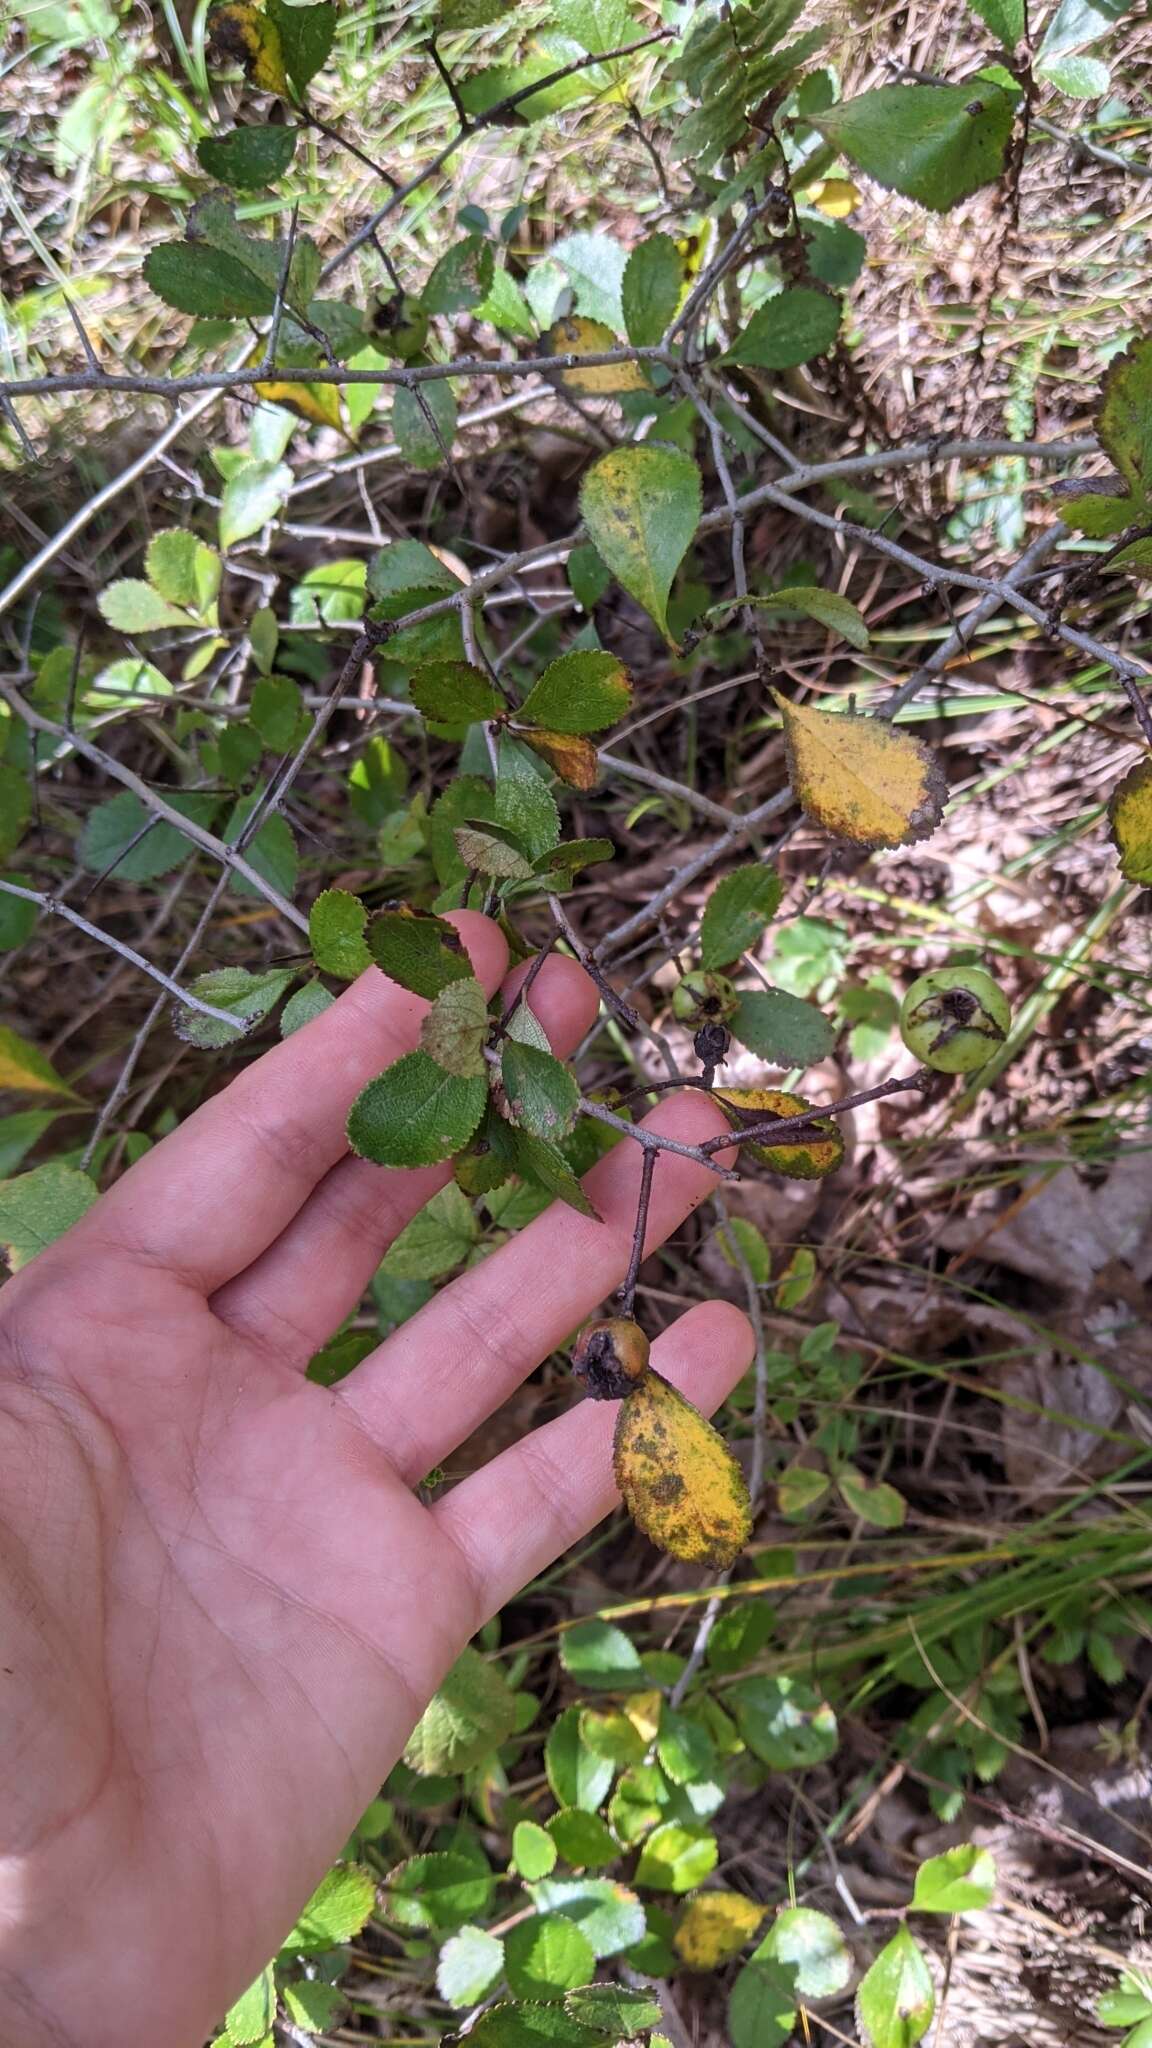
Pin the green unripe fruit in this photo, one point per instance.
(611, 1357)
(704, 999)
(400, 326)
(954, 1018)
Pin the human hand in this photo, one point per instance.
(222, 1606)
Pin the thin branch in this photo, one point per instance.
(228, 856)
(643, 1201)
(55, 908)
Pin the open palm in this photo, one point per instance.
(222, 1605)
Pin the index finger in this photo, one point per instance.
(216, 1193)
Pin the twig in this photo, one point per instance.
(55, 908)
(643, 1200)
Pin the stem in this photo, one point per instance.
(647, 1174)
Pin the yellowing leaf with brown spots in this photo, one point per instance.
(715, 1928)
(680, 1482)
(574, 336)
(318, 403)
(573, 758)
(243, 34)
(24, 1067)
(797, 1157)
(860, 778)
(1130, 816)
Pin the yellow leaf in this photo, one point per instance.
(808, 1161)
(860, 778)
(573, 336)
(23, 1066)
(573, 758)
(1130, 816)
(319, 403)
(644, 1710)
(836, 197)
(241, 33)
(715, 1928)
(679, 1480)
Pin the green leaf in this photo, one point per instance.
(736, 913)
(879, 1505)
(740, 1634)
(471, 1715)
(588, 576)
(251, 499)
(131, 606)
(608, 1914)
(544, 1163)
(263, 638)
(1007, 19)
(934, 143)
(336, 1911)
(684, 1747)
(1125, 430)
(454, 1031)
(306, 37)
(16, 807)
(420, 952)
(676, 1857)
(462, 278)
(326, 1368)
(739, 1239)
(254, 2013)
(611, 1734)
(581, 692)
(641, 505)
(336, 924)
(583, 1839)
(524, 804)
(597, 1653)
(275, 711)
(250, 996)
(454, 693)
(826, 606)
(597, 25)
(612, 2010)
(469, 1965)
(127, 842)
(799, 1489)
(558, 868)
(546, 1956)
(484, 854)
(962, 1880)
(782, 1028)
(437, 1240)
(272, 853)
(762, 2007)
(38, 1207)
(595, 267)
(529, 2025)
(533, 1850)
(24, 1066)
(414, 1114)
(811, 1945)
(1079, 77)
(542, 1092)
(784, 1721)
(183, 569)
(19, 1133)
(312, 2005)
(578, 1776)
(836, 252)
(791, 328)
(193, 278)
(895, 2002)
(248, 157)
(240, 750)
(442, 1890)
(424, 423)
(1126, 2006)
(650, 289)
(18, 918)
